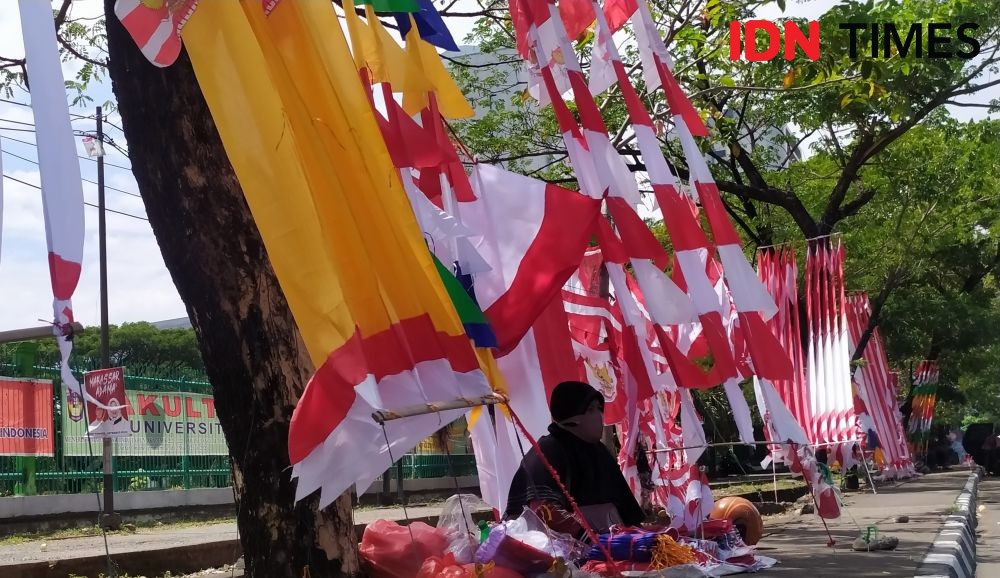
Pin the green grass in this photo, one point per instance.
(765, 488)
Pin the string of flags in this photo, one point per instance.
(413, 280)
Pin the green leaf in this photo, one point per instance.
(866, 69)
(727, 81)
(781, 4)
(848, 98)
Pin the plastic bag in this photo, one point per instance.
(390, 550)
(527, 546)
(446, 567)
(456, 522)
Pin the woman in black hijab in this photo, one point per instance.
(585, 466)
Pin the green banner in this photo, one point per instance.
(162, 424)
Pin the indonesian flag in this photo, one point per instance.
(753, 304)
(374, 314)
(62, 195)
(668, 304)
(598, 166)
(658, 67)
(778, 271)
(830, 390)
(596, 329)
(539, 232)
(782, 427)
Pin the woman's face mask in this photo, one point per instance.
(589, 427)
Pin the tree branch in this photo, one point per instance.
(69, 48)
(61, 15)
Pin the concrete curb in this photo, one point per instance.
(953, 553)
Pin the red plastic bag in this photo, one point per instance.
(445, 567)
(391, 552)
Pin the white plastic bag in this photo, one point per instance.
(456, 522)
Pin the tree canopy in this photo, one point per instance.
(139, 347)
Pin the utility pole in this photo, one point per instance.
(108, 518)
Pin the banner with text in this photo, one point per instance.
(26, 417)
(108, 417)
(161, 423)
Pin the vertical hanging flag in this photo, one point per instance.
(62, 194)
(779, 273)
(829, 382)
(874, 384)
(373, 312)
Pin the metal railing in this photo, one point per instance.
(70, 474)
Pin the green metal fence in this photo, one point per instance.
(64, 474)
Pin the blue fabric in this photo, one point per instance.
(430, 26)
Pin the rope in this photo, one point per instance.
(576, 508)
(112, 566)
(458, 489)
(458, 141)
(406, 515)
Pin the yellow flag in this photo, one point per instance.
(374, 48)
(346, 248)
(426, 73)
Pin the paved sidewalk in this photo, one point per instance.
(161, 538)
(799, 542)
(988, 544)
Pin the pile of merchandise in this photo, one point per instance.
(525, 547)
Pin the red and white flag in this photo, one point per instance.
(62, 194)
(874, 382)
(537, 234)
(828, 368)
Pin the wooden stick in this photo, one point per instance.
(385, 415)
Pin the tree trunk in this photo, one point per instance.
(253, 354)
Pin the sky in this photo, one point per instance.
(140, 288)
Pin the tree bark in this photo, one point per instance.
(251, 347)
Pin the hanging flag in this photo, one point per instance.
(539, 232)
(750, 298)
(783, 428)
(657, 67)
(426, 74)
(450, 172)
(59, 169)
(370, 305)
(830, 391)
(778, 271)
(430, 25)
(599, 169)
(374, 49)
(689, 242)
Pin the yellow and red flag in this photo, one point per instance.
(365, 293)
